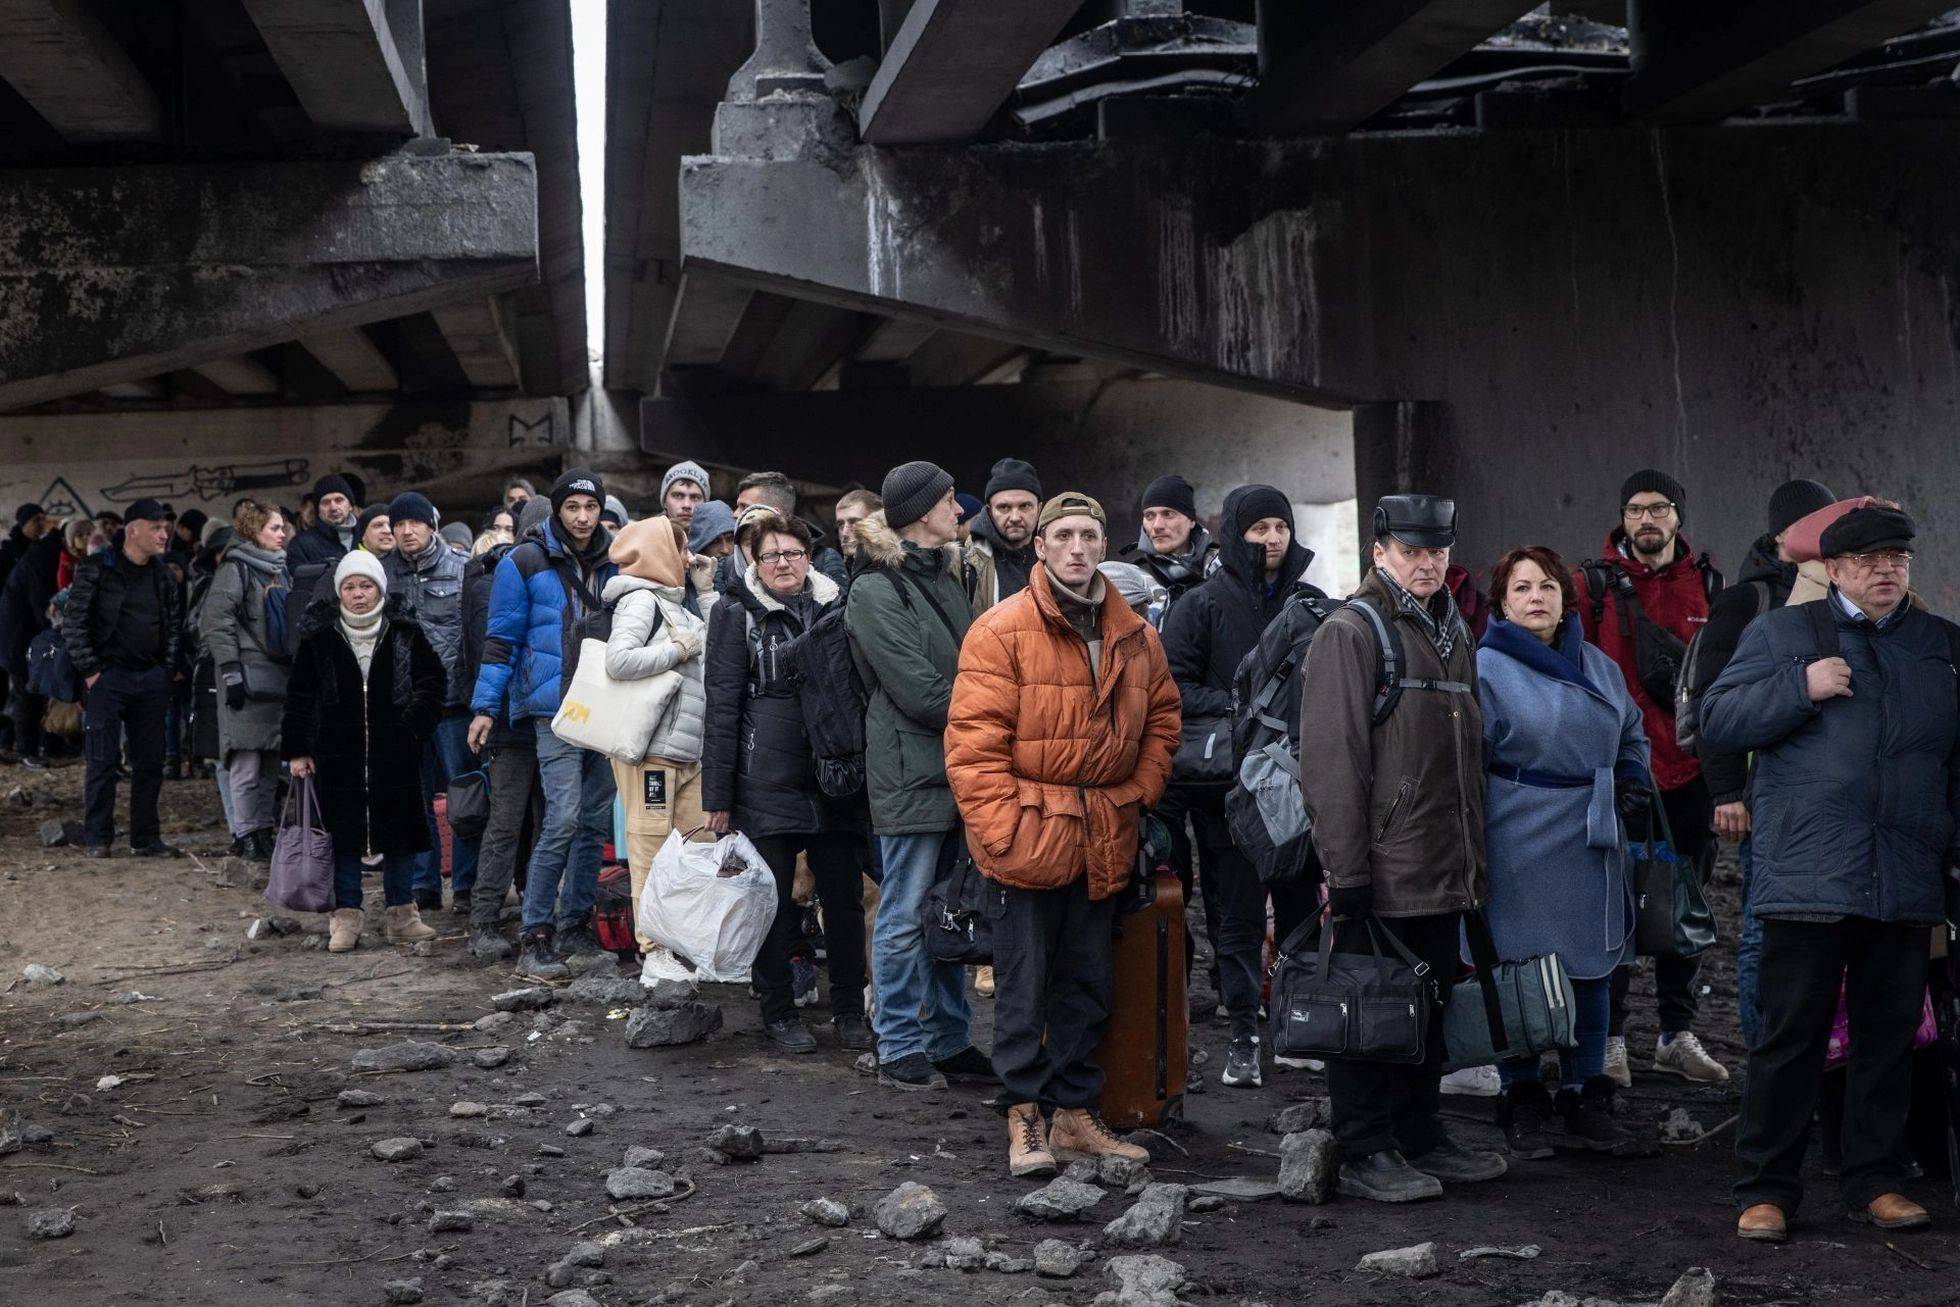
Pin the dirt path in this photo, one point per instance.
(222, 1168)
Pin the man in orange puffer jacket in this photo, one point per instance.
(1060, 735)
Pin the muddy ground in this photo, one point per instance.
(222, 1170)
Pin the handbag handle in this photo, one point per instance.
(1483, 952)
(1657, 814)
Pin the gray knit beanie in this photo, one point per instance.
(684, 471)
(910, 491)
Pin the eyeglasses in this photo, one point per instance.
(782, 556)
(1890, 559)
(1654, 512)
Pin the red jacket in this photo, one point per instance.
(1676, 597)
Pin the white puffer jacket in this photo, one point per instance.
(639, 648)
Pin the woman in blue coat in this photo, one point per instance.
(1567, 761)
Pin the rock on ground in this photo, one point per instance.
(964, 1254)
(451, 1223)
(51, 1223)
(637, 1182)
(409, 1055)
(607, 991)
(1061, 1199)
(910, 1211)
(491, 1058)
(649, 1158)
(690, 1022)
(740, 1143)
(1695, 1289)
(1155, 1221)
(403, 1291)
(1057, 1260)
(573, 1298)
(1122, 1173)
(1308, 1163)
(1307, 1114)
(826, 1211)
(358, 1098)
(1415, 1263)
(37, 974)
(1238, 1189)
(397, 1150)
(1143, 1280)
(529, 999)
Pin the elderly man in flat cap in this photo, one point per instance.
(1849, 705)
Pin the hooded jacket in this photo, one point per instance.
(654, 630)
(1675, 597)
(1856, 800)
(365, 734)
(541, 590)
(907, 658)
(319, 543)
(1210, 631)
(232, 625)
(1053, 763)
(756, 761)
(997, 570)
(24, 598)
(1178, 573)
(1737, 606)
(432, 584)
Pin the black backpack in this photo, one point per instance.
(1657, 652)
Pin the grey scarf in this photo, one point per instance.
(1442, 631)
(268, 563)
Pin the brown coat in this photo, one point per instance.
(1399, 805)
(1051, 768)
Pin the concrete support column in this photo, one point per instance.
(891, 15)
(1400, 448)
(786, 57)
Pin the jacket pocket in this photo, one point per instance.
(1048, 835)
(1398, 809)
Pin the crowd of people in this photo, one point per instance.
(1475, 764)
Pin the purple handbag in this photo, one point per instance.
(302, 856)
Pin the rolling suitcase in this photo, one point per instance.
(1146, 1046)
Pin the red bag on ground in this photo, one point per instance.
(612, 911)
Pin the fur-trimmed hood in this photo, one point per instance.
(880, 546)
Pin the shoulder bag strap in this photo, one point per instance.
(900, 580)
(1483, 952)
(1823, 624)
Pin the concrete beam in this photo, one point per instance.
(952, 358)
(1695, 62)
(111, 275)
(64, 62)
(894, 341)
(243, 375)
(350, 355)
(356, 65)
(707, 312)
(953, 64)
(1332, 66)
(475, 330)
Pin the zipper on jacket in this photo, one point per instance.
(1401, 793)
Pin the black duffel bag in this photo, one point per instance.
(469, 804)
(1351, 1007)
(959, 912)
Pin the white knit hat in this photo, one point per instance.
(360, 563)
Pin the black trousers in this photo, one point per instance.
(1235, 914)
(124, 704)
(1378, 1105)
(25, 709)
(9, 725)
(837, 860)
(1883, 967)
(1053, 966)
(1691, 820)
(504, 850)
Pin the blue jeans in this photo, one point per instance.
(446, 756)
(396, 874)
(921, 1003)
(1748, 948)
(1592, 1011)
(578, 796)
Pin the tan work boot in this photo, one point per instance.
(1764, 1223)
(1078, 1134)
(1027, 1142)
(983, 981)
(405, 925)
(344, 930)
(1894, 1212)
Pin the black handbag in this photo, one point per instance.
(469, 804)
(959, 913)
(1671, 914)
(1351, 1007)
(1204, 753)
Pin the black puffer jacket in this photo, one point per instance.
(365, 738)
(95, 600)
(1210, 630)
(1738, 605)
(24, 600)
(756, 760)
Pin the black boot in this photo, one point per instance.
(1589, 1123)
(1386, 1177)
(173, 769)
(259, 846)
(1523, 1112)
(536, 959)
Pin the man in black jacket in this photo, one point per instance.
(1173, 546)
(23, 615)
(332, 534)
(1208, 634)
(30, 524)
(1764, 586)
(124, 627)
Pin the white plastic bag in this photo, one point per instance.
(717, 922)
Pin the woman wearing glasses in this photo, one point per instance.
(759, 774)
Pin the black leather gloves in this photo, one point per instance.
(1351, 902)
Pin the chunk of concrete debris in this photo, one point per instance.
(1680, 1128)
(1155, 1221)
(451, 1222)
(408, 1055)
(826, 1211)
(810, 1247)
(1058, 1260)
(1414, 1263)
(466, 1110)
(739, 1143)
(910, 1211)
(532, 998)
(650, 1158)
(1307, 1114)
(607, 991)
(1237, 1189)
(489, 1059)
(964, 1254)
(272, 927)
(358, 1098)
(37, 974)
(582, 1127)
(398, 1149)
(1122, 1173)
(687, 1023)
(403, 1291)
(624, 1182)
(1143, 1280)
(1061, 1199)
(1308, 1163)
(1523, 1253)
(1694, 1289)
(59, 834)
(51, 1223)
(585, 1253)
(573, 1298)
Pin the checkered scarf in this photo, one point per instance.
(1442, 631)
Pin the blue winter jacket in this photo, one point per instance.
(1856, 800)
(536, 598)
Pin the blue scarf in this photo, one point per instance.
(1563, 660)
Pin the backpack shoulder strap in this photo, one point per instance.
(1823, 624)
(1712, 581)
(1388, 645)
(1763, 596)
(1598, 581)
(900, 582)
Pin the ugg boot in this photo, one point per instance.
(344, 930)
(405, 925)
(1079, 1134)
(1027, 1142)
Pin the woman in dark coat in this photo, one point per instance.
(759, 776)
(365, 694)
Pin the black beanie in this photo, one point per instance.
(366, 520)
(1012, 474)
(576, 481)
(413, 506)
(1648, 481)
(910, 491)
(26, 513)
(1796, 499)
(1172, 492)
(1257, 502)
(333, 483)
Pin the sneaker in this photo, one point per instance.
(1522, 1112)
(1683, 1055)
(1386, 1177)
(35, 761)
(1590, 1127)
(1454, 1164)
(790, 1035)
(803, 981)
(536, 959)
(968, 1064)
(1242, 1064)
(661, 964)
(157, 850)
(1474, 1082)
(1618, 1070)
(912, 1072)
(852, 1033)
